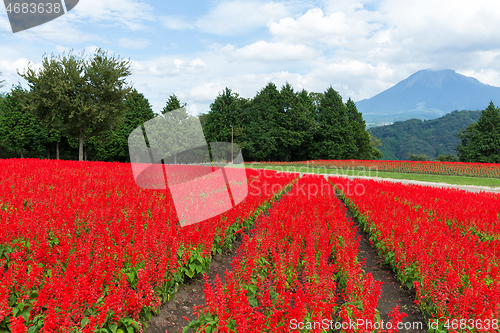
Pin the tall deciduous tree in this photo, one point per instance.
(481, 140)
(80, 97)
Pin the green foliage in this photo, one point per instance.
(227, 110)
(447, 158)
(362, 138)
(260, 123)
(430, 137)
(335, 139)
(20, 130)
(113, 145)
(295, 122)
(284, 125)
(77, 96)
(480, 142)
(415, 157)
(175, 134)
(224, 111)
(173, 103)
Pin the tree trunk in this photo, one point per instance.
(175, 158)
(86, 148)
(57, 150)
(80, 150)
(22, 153)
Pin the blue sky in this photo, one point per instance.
(196, 48)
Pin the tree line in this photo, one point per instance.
(288, 125)
(80, 107)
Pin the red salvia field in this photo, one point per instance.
(84, 249)
(443, 242)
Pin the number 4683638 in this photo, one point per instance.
(33, 8)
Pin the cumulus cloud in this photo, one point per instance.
(269, 52)
(236, 17)
(165, 66)
(314, 26)
(128, 13)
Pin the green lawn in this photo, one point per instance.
(457, 180)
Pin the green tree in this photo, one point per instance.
(19, 128)
(480, 142)
(173, 103)
(306, 125)
(260, 124)
(224, 111)
(361, 136)
(113, 145)
(293, 123)
(374, 143)
(415, 157)
(79, 97)
(2, 82)
(335, 138)
(447, 158)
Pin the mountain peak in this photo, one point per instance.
(428, 94)
(430, 78)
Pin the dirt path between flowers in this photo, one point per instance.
(178, 312)
(393, 293)
(173, 314)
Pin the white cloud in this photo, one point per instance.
(167, 66)
(133, 44)
(204, 93)
(62, 49)
(269, 52)
(4, 25)
(128, 13)
(11, 67)
(175, 23)
(236, 17)
(337, 29)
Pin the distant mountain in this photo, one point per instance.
(428, 94)
(430, 137)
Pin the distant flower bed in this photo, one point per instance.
(487, 170)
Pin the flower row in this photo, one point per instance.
(298, 270)
(82, 248)
(455, 275)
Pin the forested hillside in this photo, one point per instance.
(429, 137)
